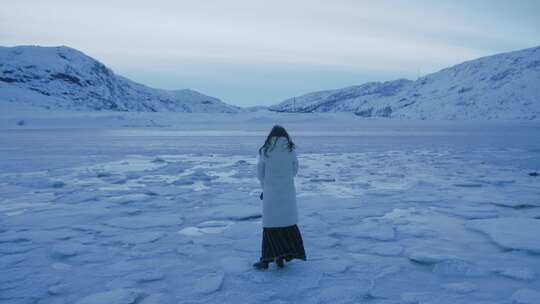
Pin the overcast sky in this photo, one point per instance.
(261, 52)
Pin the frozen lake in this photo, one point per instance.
(63, 147)
(391, 212)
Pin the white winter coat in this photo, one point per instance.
(276, 172)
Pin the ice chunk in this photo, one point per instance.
(173, 168)
(12, 238)
(459, 268)
(57, 289)
(191, 231)
(461, 287)
(524, 274)
(386, 249)
(61, 266)
(116, 179)
(510, 232)
(191, 250)
(58, 184)
(497, 182)
(526, 296)
(234, 264)
(416, 297)
(520, 202)
(155, 298)
(241, 163)
(518, 196)
(427, 256)
(122, 267)
(33, 181)
(204, 228)
(150, 276)
(322, 180)
(472, 212)
(11, 260)
(26, 202)
(416, 230)
(383, 192)
(241, 230)
(102, 174)
(145, 221)
(251, 245)
(138, 238)
(202, 176)
(322, 241)
(468, 185)
(235, 212)
(212, 240)
(66, 250)
(209, 283)
(373, 230)
(209, 224)
(159, 160)
(90, 229)
(129, 198)
(343, 293)
(333, 266)
(115, 296)
(78, 197)
(212, 227)
(183, 181)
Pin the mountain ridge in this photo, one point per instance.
(65, 78)
(500, 86)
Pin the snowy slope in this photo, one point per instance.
(503, 86)
(341, 100)
(64, 78)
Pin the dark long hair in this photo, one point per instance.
(277, 131)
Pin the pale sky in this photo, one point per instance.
(250, 52)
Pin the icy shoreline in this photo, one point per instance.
(33, 118)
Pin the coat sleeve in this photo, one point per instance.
(295, 164)
(260, 169)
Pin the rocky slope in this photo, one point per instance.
(503, 86)
(64, 78)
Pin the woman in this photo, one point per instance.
(276, 169)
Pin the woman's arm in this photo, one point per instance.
(295, 163)
(260, 169)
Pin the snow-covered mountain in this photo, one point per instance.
(64, 78)
(341, 100)
(502, 86)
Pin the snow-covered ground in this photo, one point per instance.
(390, 211)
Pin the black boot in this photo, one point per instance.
(280, 263)
(260, 265)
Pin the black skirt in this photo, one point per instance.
(282, 243)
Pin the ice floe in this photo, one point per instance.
(511, 232)
(115, 296)
(460, 287)
(208, 283)
(162, 220)
(518, 273)
(145, 221)
(526, 296)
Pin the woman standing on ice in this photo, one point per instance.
(276, 168)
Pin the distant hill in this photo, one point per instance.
(63, 78)
(503, 86)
